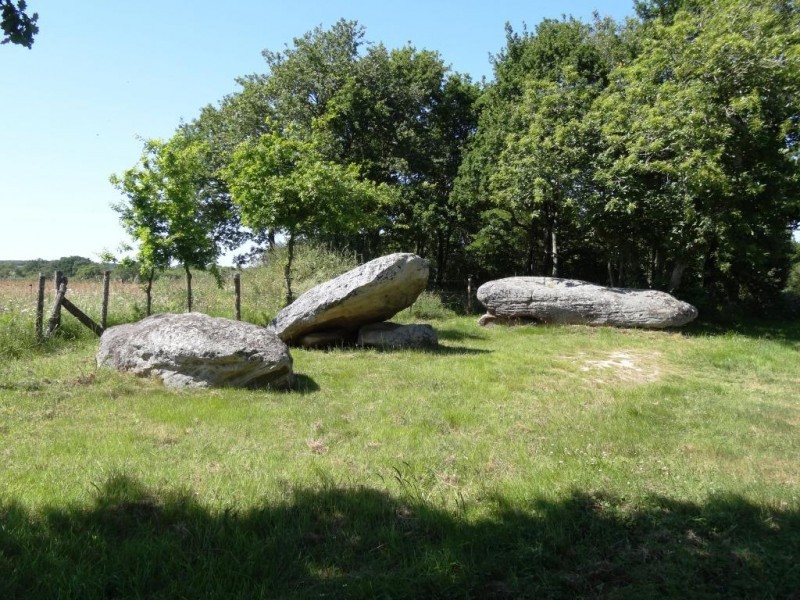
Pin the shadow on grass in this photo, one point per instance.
(303, 384)
(440, 350)
(362, 543)
(783, 332)
(455, 335)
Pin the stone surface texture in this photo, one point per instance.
(395, 335)
(370, 293)
(195, 350)
(569, 301)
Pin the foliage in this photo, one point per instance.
(282, 183)
(18, 27)
(699, 144)
(531, 120)
(661, 152)
(399, 117)
(793, 282)
(72, 267)
(544, 166)
(169, 211)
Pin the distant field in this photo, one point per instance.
(512, 462)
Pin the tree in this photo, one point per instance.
(508, 213)
(400, 116)
(18, 27)
(699, 143)
(167, 209)
(544, 168)
(282, 182)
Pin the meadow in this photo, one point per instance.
(533, 461)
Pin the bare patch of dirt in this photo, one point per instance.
(621, 366)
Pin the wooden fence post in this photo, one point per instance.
(237, 292)
(55, 317)
(58, 277)
(104, 310)
(40, 307)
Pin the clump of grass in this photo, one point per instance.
(428, 306)
(17, 336)
(264, 286)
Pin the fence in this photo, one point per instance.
(61, 301)
(456, 295)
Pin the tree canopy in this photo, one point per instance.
(18, 27)
(660, 152)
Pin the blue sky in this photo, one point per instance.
(103, 74)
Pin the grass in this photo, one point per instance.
(509, 463)
(512, 462)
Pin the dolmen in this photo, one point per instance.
(194, 350)
(569, 301)
(336, 311)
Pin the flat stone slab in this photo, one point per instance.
(569, 301)
(370, 293)
(395, 335)
(195, 350)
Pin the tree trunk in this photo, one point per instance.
(287, 270)
(531, 250)
(610, 268)
(188, 287)
(442, 253)
(547, 263)
(677, 275)
(554, 251)
(148, 291)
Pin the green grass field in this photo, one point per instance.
(511, 462)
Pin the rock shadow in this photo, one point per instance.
(303, 384)
(455, 335)
(783, 332)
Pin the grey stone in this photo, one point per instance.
(326, 339)
(395, 335)
(569, 301)
(371, 293)
(195, 350)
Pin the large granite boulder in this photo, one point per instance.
(394, 335)
(569, 301)
(371, 293)
(195, 350)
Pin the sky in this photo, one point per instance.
(103, 75)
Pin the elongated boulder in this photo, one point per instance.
(395, 335)
(569, 301)
(371, 293)
(195, 350)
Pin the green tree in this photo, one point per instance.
(167, 211)
(399, 115)
(283, 183)
(507, 229)
(18, 27)
(700, 139)
(544, 168)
